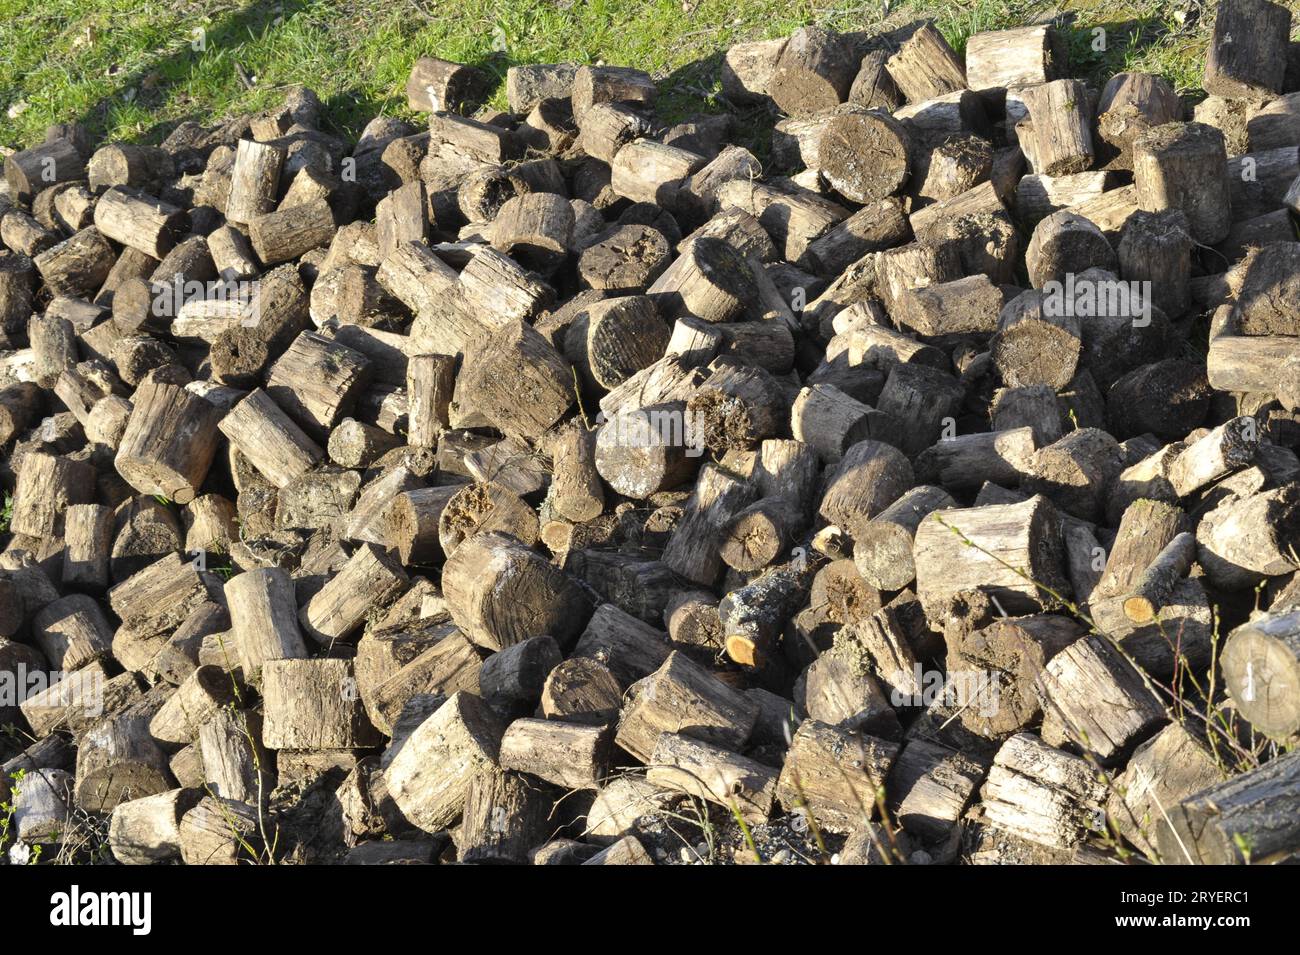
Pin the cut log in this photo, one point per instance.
(846, 139)
(436, 85)
(1185, 166)
(169, 441)
(1013, 549)
(1059, 125)
(1023, 56)
(814, 71)
(1248, 49)
(367, 581)
(263, 619)
(1041, 794)
(499, 592)
(313, 704)
(430, 776)
(882, 548)
(681, 696)
(1094, 698)
(740, 784)
(925, 66)
(1261, 662)
(1249, 819)
(834, 776)
(254, 181)
(1130, 104)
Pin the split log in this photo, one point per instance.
(1247, 539)
(47, 486)
(235, 764)
(196, 700)
(748, 68)
(87, 541)
(221, 831)
(147, 831)
(929, 786)
(611, 84)
(71, 632)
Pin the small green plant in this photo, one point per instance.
(7, 513)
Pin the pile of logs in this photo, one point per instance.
(477, 492)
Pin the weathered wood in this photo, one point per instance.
(925, 66)
(814, 70)
(1249, 819)
(967, 548)
(435, 85)
(1184, 166)
(169, 441)
(833, 775)
(681, 696)
(1092, 696)
(1022, 56)
(264, 619)
(1259, 664)
(1248, 49)
(1041, 794)
(499, 592)
(430, 776)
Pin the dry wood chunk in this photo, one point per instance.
(833, 775)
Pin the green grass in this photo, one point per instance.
(130, 69)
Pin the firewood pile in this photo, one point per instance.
(566, 486)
